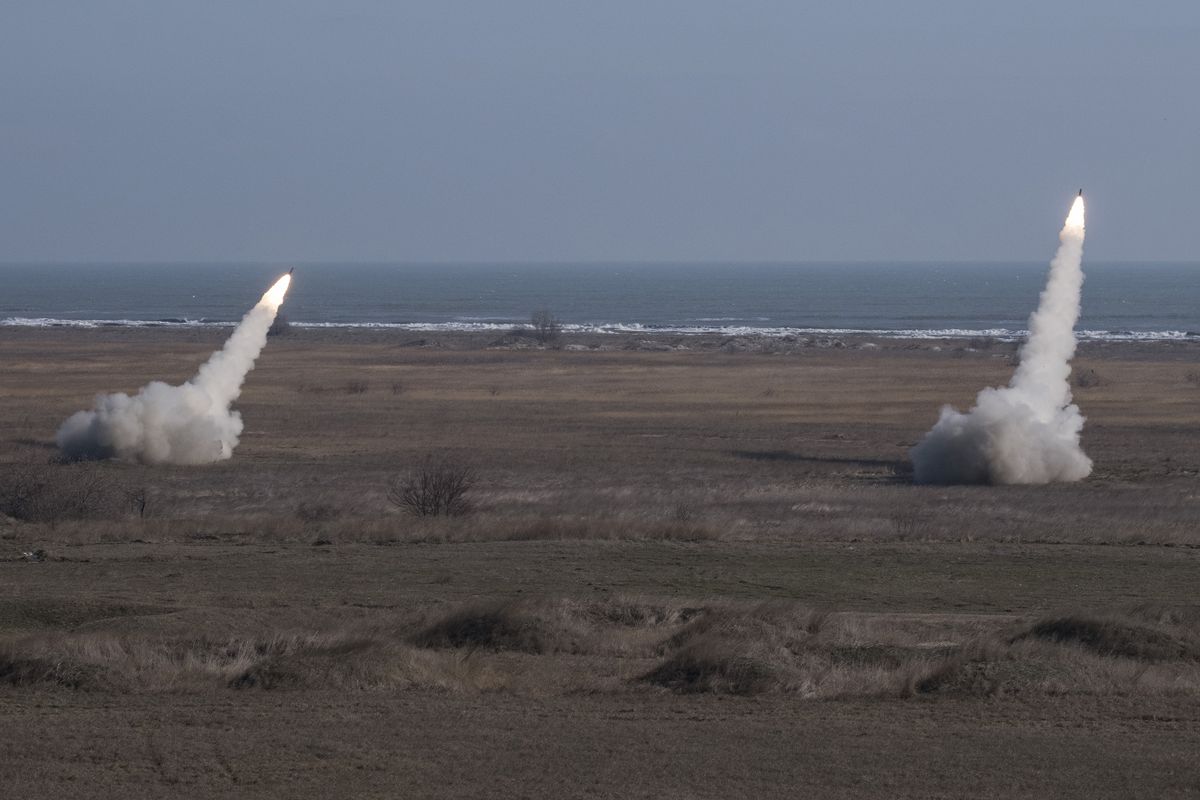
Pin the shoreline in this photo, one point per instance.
(616, 329)
(651, 340)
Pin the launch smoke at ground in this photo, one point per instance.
(1028, 431)
(187, 424)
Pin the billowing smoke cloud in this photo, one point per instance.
(1028, 431)
(188, 424)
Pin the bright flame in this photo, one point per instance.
(1075, 218)
(274, 295)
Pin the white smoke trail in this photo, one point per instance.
(1028, 431)
(187, 424)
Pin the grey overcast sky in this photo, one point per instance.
(511, 130)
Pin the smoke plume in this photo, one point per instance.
(187, 424)
(1028, 431)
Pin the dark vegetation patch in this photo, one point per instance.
(1116, 637)
(318, 663)
(25, 672)
(50, 493)
(496, 626)
(716, 668)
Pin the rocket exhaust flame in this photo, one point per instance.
(1028, 431)
(187, 424)
(274, 296)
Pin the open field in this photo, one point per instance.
(695, 572)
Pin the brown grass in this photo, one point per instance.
(102, 661)
(782, 649)
(736, 649)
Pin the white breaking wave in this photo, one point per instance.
(602, 328)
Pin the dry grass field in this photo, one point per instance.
(684, 573)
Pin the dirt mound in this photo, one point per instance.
(1115, 637)
(493, 626)
(719, 669)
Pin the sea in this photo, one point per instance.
(1121, 301)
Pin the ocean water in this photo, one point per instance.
(1121, 300)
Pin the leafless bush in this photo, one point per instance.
(436, 487)
(1193, 378)
(138, 498)
(54, 492)
(397, 387)
(909, 523)
(1086, 379)
(356, 387)
(546, 327)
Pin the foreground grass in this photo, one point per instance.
(735, 649)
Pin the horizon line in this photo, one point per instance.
(558, 263)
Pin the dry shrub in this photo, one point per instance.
(909, 523)
(356, 387)
(1086, 379)
(22, 671)
(54, 492)
(546, 327)
(436, 487)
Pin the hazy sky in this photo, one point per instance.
(524, 130)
